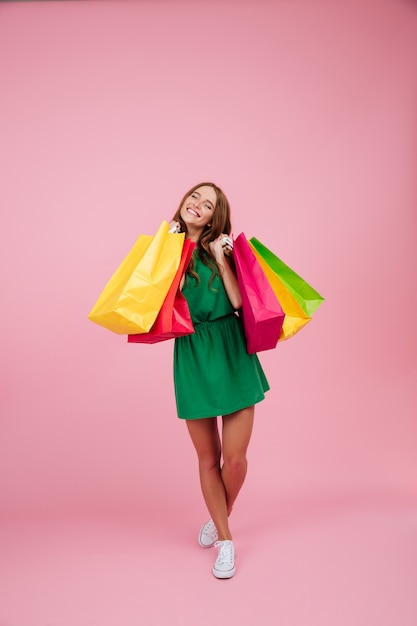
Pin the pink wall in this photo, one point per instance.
(305, 114)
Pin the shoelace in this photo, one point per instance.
(210, 530)
(225, 556)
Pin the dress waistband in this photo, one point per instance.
(217, 320)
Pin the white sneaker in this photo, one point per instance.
(208, 535)
(224, 565)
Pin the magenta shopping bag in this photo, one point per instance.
(262, 313)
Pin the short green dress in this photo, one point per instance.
(213, 373)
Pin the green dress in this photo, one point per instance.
(213, 373)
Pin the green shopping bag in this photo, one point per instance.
(307, 297)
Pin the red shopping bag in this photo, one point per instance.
(263, 316)
(174, 318)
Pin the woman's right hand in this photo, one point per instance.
(174, 227)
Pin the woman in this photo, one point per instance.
(213, 373)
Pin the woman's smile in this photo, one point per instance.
(193, 211)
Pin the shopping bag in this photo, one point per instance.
(133, 297)
(262, 313)
(295, 318)
(174, 319)
(307, 297)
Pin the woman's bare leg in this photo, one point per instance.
(205, 437)
(237, 430)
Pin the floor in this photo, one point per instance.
(332, 561)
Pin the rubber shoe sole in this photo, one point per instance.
(223, 575)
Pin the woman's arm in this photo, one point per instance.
(218, 248)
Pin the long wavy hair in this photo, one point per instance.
(219, 223)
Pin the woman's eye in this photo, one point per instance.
(193, 195)
(208, 206)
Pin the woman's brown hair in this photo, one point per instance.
(219, 223)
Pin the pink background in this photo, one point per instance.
(304, 112)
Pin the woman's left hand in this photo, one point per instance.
(220, 246)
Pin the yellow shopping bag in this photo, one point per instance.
(295, 318)
(133, 297)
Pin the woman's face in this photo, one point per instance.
(198, 207)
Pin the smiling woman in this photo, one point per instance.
(213, 373)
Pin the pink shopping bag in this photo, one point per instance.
(263, 316)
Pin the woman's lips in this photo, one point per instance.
(193, 211)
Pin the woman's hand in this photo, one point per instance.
(220, 246)
(174, 227)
